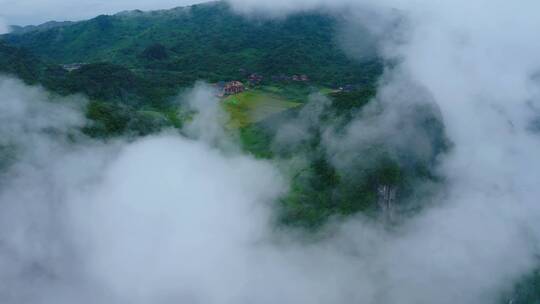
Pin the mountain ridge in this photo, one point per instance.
(204, 41)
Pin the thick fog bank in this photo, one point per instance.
(4, 28)
(169, 219)
(477, 62)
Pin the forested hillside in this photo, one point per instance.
(134, 63)
(20, 63)
(206, 41)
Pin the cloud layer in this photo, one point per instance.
(4, 28)
(477, 63)
(169, 219)
(161, 219)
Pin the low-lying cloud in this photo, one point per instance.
(4, 28)
(168, 219)
(476, 62)
(161, 219)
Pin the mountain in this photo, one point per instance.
(117, 95)
(21, 63)
(99, 81)
(133, 63)
(15, 29)
(207, 41)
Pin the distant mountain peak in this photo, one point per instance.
(15, 29)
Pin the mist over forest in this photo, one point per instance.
(240, 151)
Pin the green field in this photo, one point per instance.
(254, 106)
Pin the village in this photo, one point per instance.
(253, 80)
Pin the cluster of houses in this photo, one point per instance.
(346, 88)
(234, 87)
(229, 88)
(72, 66)
(287, 78)
(254, 79)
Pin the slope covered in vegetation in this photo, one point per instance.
(206, 41)
(136, 62)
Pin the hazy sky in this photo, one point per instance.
(23, 12)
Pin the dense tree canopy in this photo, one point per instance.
(206, 41)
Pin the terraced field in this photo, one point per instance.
(254, 106)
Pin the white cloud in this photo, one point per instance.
(161, 218)
(167, 219)
(210, 118)
(4, 28)
(475, 60)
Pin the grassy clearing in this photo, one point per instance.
(327, 91)
(254, 106)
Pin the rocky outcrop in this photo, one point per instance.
(386, 201)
